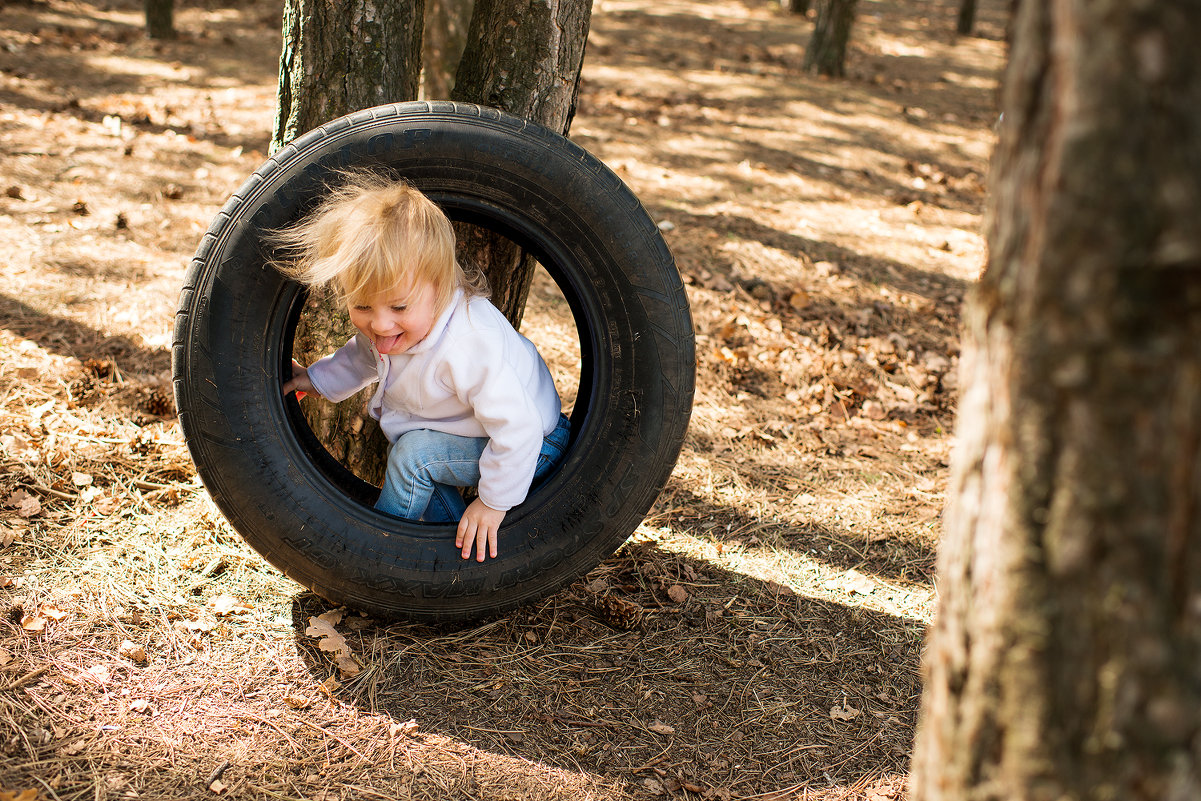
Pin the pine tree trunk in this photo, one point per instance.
(826, 53)
(340, 56)
(160, 18)
(524, 58)
(1065, 661)
(967, 17)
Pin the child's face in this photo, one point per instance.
(398, 319)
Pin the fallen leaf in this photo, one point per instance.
(319, 628)
(844, 712)
(349, 666)
(53, 612)
(408, 728)
(33, 623)
(141, 706)
(100, 673)
(332, 617)
(799, 299)
(217, 786)
(297, 701)
(25, 504)
(330, 686)
(133, 651)
(659, 727)
(7, 536)
(677, 593)
(81, 479)
(228, 605)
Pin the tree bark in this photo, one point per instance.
(160, 18)
(1065, 661)
(340, 56)
(343, 55)
(967, 17)
(826, 53)
(523, 57)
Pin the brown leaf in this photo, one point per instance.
(677, 593)
(7, 536)
(25, 504)
(297, 701)
(228, 605)
(33, 623)
(349, 666)
(844, 712)
(332, 617)
(133, 651)
(659, 727)
(53, 612)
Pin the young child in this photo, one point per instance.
(464, 400)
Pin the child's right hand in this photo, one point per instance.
(299, 382)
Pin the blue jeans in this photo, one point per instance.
(426, 468)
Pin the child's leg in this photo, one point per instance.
(421, 460)
(554, 445)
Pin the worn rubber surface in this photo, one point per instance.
(309, 516)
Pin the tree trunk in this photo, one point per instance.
(1065, 661)
(340, 56)
(967, 17)
(522, 57)
(445, 36)
(796, 6)
(826, 53)
(343, 55)
(160, 18)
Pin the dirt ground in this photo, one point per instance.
(779, 590)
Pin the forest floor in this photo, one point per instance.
(828, 231)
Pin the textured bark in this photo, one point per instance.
(1065, 661)
(967, 17)
(445, 37)
(343, 55)
(160, 18)
(826, 53)
(523, 57)
(340, 56)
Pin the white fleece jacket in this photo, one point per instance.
(473, 375)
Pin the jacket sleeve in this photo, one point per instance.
(345, 371)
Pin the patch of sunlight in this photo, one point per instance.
(804, 574)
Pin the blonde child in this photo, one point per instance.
(463, 398)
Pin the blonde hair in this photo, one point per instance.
(371, 234)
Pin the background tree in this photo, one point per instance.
(1065, 661)
(826, 52)
(160, 18)
(446, 24)
(796, 6)
(343, 55)
(967, 17)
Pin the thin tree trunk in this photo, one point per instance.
(340, 56)
(967, 17)
(160, 18)
(524, 58)
(826, 53)
(1065, 661)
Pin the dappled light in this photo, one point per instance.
(758, 637)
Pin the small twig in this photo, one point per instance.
(28, 677)
(218, 773)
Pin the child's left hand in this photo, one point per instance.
(478, 527)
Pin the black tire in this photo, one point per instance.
(308, 515)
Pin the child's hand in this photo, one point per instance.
(478, 526)
(299, 381)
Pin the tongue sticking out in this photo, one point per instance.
(385, 344)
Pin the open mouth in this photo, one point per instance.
(385, 344)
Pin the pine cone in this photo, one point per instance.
(619, 612)
(159, 403)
